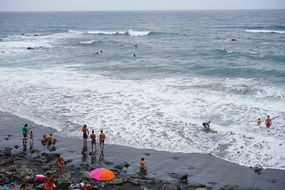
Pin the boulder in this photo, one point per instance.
(134, 181)
(181, 176)
(118, 181)
(7, 152)
(126, 164)
(7, 162)
(30, 48)
(195, 185)
(170, 187)
(119, 166)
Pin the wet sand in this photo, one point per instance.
(202, 168)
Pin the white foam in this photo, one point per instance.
(266, 31)
(163, 114)
(138, 33)
(107, 32)
(87, 42)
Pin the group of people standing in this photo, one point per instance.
(102, 138)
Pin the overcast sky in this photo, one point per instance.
(80, 5)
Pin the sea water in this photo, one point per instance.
(149, 79)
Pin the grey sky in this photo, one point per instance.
(69, 5)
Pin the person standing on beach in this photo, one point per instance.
(60, 164)
(25, 131)
(258, 122)
(31, 139)
(51, 140)
(85, 132)
(44, 140)
(142, 165)
(93, 141)
(102, 138)
(268, 122)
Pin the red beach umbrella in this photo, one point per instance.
(102, 174)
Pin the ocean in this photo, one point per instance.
(150, 78)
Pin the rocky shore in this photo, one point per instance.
(166, 171)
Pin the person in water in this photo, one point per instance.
(142, 165)
(258, 122)
(206, 125)
(60, 164)
(93, 141)
(268, 122)
(102, 138)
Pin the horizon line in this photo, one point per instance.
(126, 10)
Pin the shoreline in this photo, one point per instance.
(206, 169)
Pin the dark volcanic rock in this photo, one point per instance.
(170, 187)
(181, 176)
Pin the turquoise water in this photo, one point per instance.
(189, 67)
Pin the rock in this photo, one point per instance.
(119, 166)
(169, 187)
(118, 181)
(12, 168)
(6, 138)
(29, 48)
(257, 170)
(233, 40)
(29, 179)
(4, 179)
(85, 175)
(16, 146)
(195, 185)
(24, 171)
(46, 167)
(126, 164)
(8, 162)
(200, 188)
(181, 176)
(134, 181)
(7, 152)
(143, 188)
(230, 187)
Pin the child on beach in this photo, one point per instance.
(93, 141)
(268, 122)
(60, 164)
(102, 138)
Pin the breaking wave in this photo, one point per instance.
(266, 31)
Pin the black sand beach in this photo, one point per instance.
(180, 169)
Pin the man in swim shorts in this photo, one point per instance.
(102, 138)
(268, 122)
(93, 141)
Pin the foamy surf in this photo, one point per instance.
(267, 31)
(162, 114)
